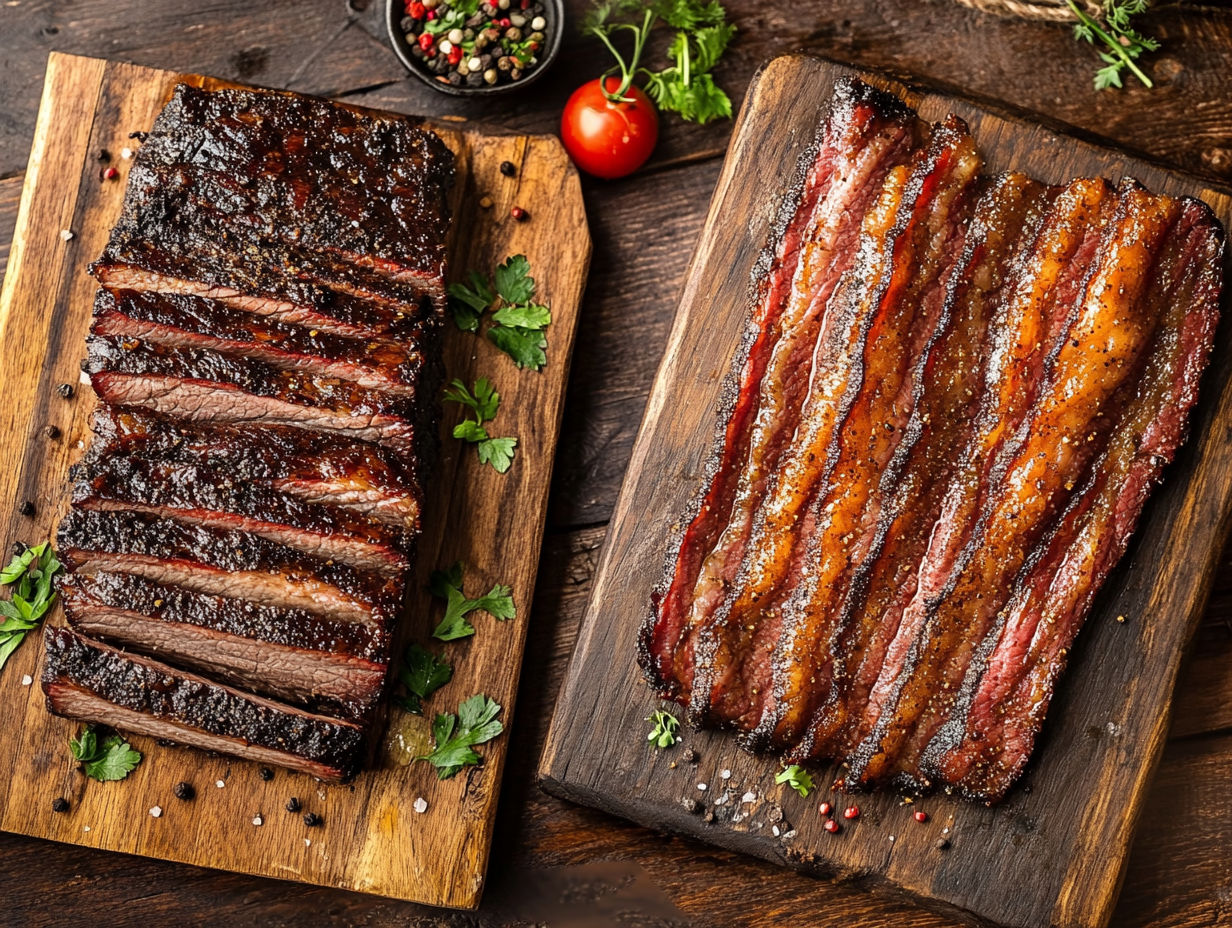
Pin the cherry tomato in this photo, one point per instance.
(609, 139)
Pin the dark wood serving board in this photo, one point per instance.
(372, 839)
(1053, 853)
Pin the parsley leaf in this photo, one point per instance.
(113, 758)
(470, 430)
(498, 452)
(797, 778)
(422, 674)
(663, 732)
(30, 573)
(468, 304)
(513, 280)
(456, 736)
(484, 402)
(525, 346)
(447, 585)
(528, 316)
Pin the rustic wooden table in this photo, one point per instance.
(644, 230)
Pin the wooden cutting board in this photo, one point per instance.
(1053, 852)
(372, 839)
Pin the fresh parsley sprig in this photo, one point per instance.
(31, 573)
(422, 673)
(797, 778)
(702, 35)
(484, 403)
(663, 729)
(447, 584)
(112, 758)
(517, 326)
(455, 736)
(1123, 42)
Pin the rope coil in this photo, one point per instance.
(1049, 10)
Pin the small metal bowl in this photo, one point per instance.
(555, 15)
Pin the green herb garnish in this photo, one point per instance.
(517, 326)
(31, 573)
(422, 673)
(447, 584)
(702, 35)
(112, 758)
(663, 731)
(1123, 43)
(797, 778)
(455, 736)
(484, 403)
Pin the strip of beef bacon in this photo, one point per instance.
(867, 134)
(952, 402)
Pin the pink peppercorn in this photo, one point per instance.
(425, 42)
(921, 816)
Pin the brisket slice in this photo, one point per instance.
(203, 385)
(734, 678)
(219, 499)
(328, 665)
(312, 467)
(290, 302)
(867, 134)
(945, 397)
(902, 336)
(236, 564)
(988, 739)
(1092, 376)
(371, 188)
(92, 682)
(1039, 299)
(181, 321)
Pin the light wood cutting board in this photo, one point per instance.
(1053, 853)
(371, 840)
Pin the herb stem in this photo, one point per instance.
(1112, 43)
(627, 72)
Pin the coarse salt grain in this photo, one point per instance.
(156, 812)
(775, 830)
(307, 842)
(421, 805)
(750, 796)
(726, 774)
(66, 234)
(220, 783)
(27, 680)
(86, 828)
(702, 787)
(258, 821)
(126, 153)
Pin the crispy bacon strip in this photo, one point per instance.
(1095, 366)
(733, 676)
(946, 391)
(900, 339)
(868, 132)
(985, 745)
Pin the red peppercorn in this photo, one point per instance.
(921, 816)
(526, 4)
(110, 174)
(519, 214)
(824, 808)
(416, 10)
(832, 826)
(505, 22)
(425, 42)
(851, 812)
(455, 54)
(430, 15)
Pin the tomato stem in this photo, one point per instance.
(627, 71)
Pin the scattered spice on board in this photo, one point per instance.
(468, 43)
(184, 791)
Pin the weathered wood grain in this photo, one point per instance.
(1049, 855)
(372, 840)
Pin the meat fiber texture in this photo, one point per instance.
(266, 346)
(953, 397)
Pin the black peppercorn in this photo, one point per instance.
(65, 390)
(52, 432)
(941, 844)
(266, 774)
(184, 791)
(508, 169)
(27, 508)
(312, 820)
(60, 805)
(689, 756)
(293, 805)
(19, 548)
